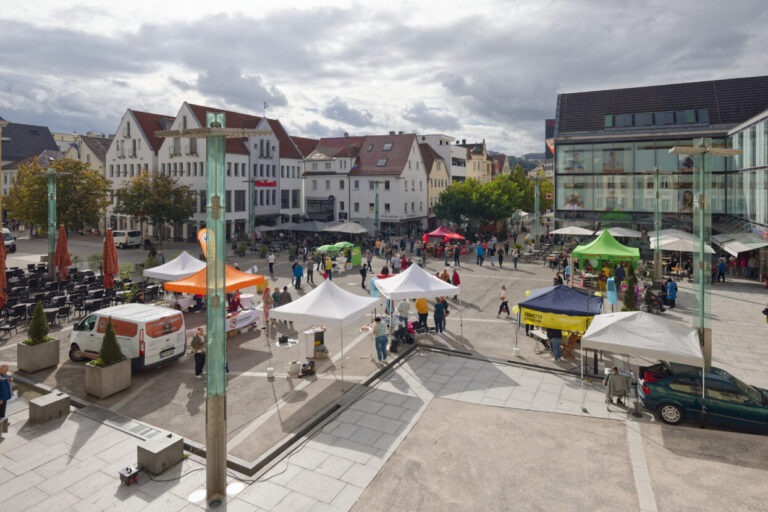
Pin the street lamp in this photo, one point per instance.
(376, 205)
(215, 134)
(52, 174)
(702, 225)
(536, 206)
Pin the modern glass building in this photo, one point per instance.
(609, 143)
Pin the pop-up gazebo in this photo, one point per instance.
(443, 232)
(196, 283)
(183, 265)
(605, 247)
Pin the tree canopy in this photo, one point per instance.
(156, 198)
(82, 194)
(527, 185)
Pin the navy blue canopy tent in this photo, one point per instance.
(560, 307)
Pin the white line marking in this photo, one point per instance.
(643, 485)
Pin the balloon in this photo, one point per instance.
(527, 292)
(515, 309)
(598, 294)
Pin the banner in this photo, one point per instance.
(242, 319)
(202, 237)
(555, 321)
(357, 257)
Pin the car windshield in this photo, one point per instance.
(7, 236)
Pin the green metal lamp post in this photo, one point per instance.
(52, 173)
(215, 134)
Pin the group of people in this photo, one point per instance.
(493, 250)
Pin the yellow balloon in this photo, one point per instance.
(598, 294)
(527, 292)
(515, 309)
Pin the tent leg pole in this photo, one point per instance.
(342, 359)
(702, 416)
(583, 394)
(461, 317)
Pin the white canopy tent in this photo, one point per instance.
(415, 283)
(183, 265)
(572, 230)
(330, 305)
(617, 231)
(680, 245)
(644, 335)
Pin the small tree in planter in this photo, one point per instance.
(630, 298)
(39, 350)
(264, 251)
(110, 373)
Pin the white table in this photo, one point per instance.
(246, 299)
(185, 302)
(242, 320)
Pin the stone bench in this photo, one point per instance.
(160, 453)
(48, 407)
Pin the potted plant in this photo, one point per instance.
(241, 249)
(110, 373)
(39, 350)
(264, 251)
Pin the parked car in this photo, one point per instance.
(9, 240)
(127, 239)
(674, 392)
(148, 335)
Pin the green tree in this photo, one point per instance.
(630, 299)
(527, 186)
(38, 326)
(110, 352)
(81, 195)
(457, 202)
(156, 198)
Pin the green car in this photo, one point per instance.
(674, 392)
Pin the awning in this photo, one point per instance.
(737, 243)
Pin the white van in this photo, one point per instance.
(10, 242)
(148, 335)
(127, 238)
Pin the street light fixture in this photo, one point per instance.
(702, 224)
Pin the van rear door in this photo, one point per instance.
(164, 339)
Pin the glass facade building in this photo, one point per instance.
(748, 186)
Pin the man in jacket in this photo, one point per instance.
(285, 298)
(298, 273)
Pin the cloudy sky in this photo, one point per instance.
(470, 69)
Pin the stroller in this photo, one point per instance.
(653, 304)
(401, 335)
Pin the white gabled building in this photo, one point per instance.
(133, 149)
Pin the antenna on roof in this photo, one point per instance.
(266, 106)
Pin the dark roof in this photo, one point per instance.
(26, 140)
(305, 145)
(42, 159)
(151, 123)
(396, 156)
(429, 156)
(498, 162)
(730, 102)
(99, 145)
(240, 120)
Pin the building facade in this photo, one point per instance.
(609, 143)
(437, 179)
(90, 150)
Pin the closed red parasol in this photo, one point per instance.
(61, 257)
(110, 260)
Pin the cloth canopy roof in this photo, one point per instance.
(264, 229)
(352, 228)
(685, 244)
(183, 265)
(329, 305)
(617, 231)
(196, 283)
(606, 247)
(572, 230)
(739, 242)
(642, 334)
(414, 283)
(443, 232)
(563, 300)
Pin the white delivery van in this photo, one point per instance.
(127, 238)
(10, 242)
(148, 335)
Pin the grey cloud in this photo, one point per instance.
(339, 110)
(229, 84)
(423, 116)
(181, 84)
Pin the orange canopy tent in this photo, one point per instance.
(195, 283)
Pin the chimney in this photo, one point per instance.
(391, 132)
(400, 132)
(463, 141)
(346, 135)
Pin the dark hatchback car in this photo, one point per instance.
(674, 392)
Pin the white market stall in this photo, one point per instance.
(183, 265)
(416, 283)
(619, 231)
(329, 305)
(644, 335)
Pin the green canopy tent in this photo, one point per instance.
(606, 248)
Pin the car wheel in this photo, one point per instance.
(75, 354)
(671, 414)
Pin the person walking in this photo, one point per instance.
(298, 273)
(285, 298)
(456, 255)
(556, 338)
(506, 248)
(363, 274)
(455, 281)
(319, 262)
(380, 337)
(328, 268)
(6, 390)
(311, 274)
(271, 261)
(368, 259)
(439, 316)
(619, 274)
(501, 256)
(396, 264)
(422, 308)
(515, 257)
(721, 270)
(198, 348)
(480, 252)
(266, 303)
(403, 309)
(671, 292)
(504, 306)
(492, 254)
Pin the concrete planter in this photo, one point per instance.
(104, 382)
(31, 358)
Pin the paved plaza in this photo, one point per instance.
(436, 432)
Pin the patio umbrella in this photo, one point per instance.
(110, 261)
(61, 257)
(572, 230)
(327, 248)
(343, 245)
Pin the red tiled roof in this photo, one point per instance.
(429, 156)
(339, 146)
(305, 145)
(498, 162)
(396, 157)
(149, 124)
(240, 120)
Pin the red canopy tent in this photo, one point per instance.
(443, 232)
(61, 257)
(111, 266)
